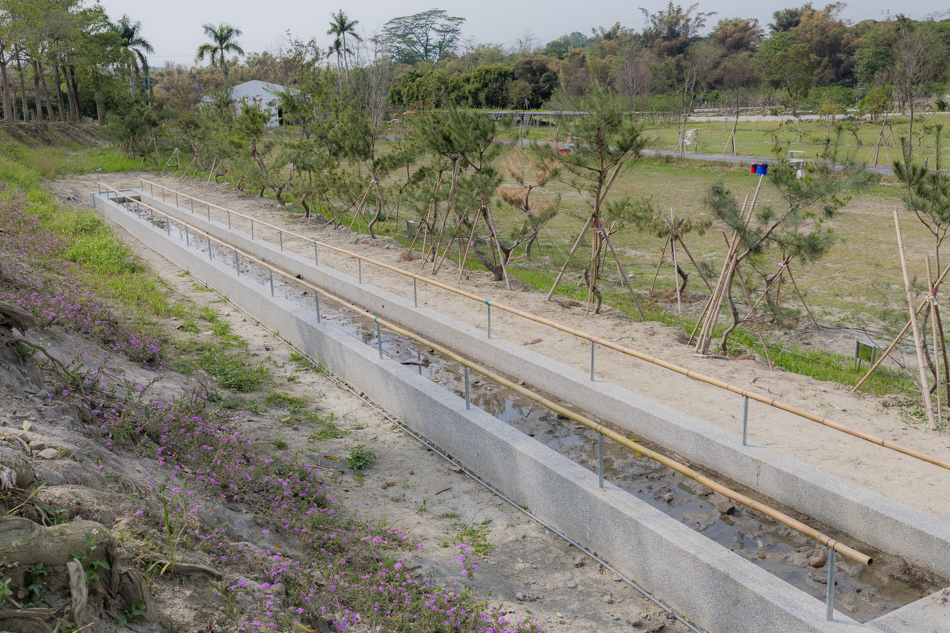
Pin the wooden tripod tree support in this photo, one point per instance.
(557, 280)
(900, 335)
(624, 279)
(711, 313)
(924, 388)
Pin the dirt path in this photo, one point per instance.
(910, 481)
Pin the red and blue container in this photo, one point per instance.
(760, 169)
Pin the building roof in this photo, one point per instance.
(257, 88)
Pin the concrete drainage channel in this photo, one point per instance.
(718, 589)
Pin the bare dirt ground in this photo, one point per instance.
(908, 480)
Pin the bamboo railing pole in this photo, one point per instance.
(659, 362)
(924, 386)
(936, 339)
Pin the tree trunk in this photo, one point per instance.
(74, 93)
(7, 109)
(19, 70)
(59, 94)
(38, 98)
(49, 105)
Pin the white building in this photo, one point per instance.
(268, 95)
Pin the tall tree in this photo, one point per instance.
(427, 36)
(130, 34)
(788, 19)
(917, 57)
(223, 40)
(340, 27)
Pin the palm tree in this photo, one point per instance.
(341, 26)
(222, 41)
(134, 44)
(337, 47)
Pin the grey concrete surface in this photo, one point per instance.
(870, 517)
(717, 589)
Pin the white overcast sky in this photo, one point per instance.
(174, 26)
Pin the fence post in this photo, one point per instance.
(489, 317)
(229, 219)
(209, 248)
(830, 601)
(415, 293)
(745, 419)
(379, 338)
(237, 262)
(592, 360)
(316, 257)
(187, 238)
(252, 229)
(600, 458)
(316, 296)
(271, 282)
(468, 401)
(281, 233)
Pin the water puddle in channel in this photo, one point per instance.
(863, 593)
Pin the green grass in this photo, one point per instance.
(474, 535)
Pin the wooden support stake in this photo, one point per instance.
(900, 335)
(623, 276)
(924, 388)
(755, 320)
(676, 281)
(577, 243)
(807, 309)
(936, 340)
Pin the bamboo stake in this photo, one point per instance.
(924, 388)
(676, 281)
(690, 255)
(658, 265)
(943, 348)
(775, 280)
(467, 247)
(623, 276)
(577, 243)
(933, 328)
(713, 316)
(807, 309)
(755, 320)
(501, 255)
(900, 335)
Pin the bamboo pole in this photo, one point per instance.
(936, 340)
(501, 254)
(623, 276)
(755, 320)
(676, 281)
(924, 387)
(807, 309)
(658, 265)
(900, 335)
(467, 247)
(659, 362)
(577, 243)
(690, 255)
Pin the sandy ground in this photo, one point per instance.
(910, 481)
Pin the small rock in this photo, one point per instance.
(579, 561)
(389, 483)
(668, 497)
(617, 578)
(819, 560)
(43, 395)
(608, 599)
(571, 584)
(519, 596)
(49, 453)
(38, 446)
(278, 590)
(634, 621)
(455, 469)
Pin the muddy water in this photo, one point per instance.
(863, 593)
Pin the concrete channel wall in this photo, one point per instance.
(717, 589)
